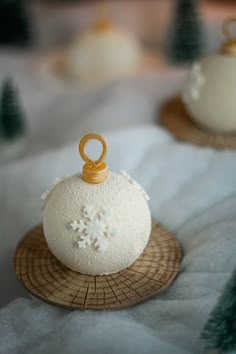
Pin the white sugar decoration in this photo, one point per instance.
(46, 194)
(56, 181)
(134, 183)
(93, 229)
(193, 84)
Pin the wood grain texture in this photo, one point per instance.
(175, 118)
(48, 279)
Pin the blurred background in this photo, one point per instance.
(56, 22)
(70, 67)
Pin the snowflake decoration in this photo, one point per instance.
(46, 194)
(134, 183)
(93, 229)
(194, 83)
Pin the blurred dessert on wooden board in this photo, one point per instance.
(102, 52)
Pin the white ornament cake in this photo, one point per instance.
(97, 222)
(103, 52)
(209, 93)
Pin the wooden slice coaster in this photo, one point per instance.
(175, 118)
(46, 278)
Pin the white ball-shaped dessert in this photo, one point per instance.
(97, 228)
(103, 53)
(209, 93)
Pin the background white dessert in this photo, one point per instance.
(103, 52)
(210, 93)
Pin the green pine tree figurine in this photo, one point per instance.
(12, 123)
(186, 39)
(15, 24)
(219, 332)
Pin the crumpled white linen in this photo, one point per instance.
(193, 193)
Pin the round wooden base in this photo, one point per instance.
(46, 278)
(175, 118)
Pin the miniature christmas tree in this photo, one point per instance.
(11, 116)
(186, 41)
(220, 330)
(14, 23)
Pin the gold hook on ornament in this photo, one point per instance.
(103, 12)
(229, 46)
(94, 171)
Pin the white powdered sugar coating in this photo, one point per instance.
(46, 194)
(136, 184)
(115, 213)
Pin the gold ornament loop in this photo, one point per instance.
(229, 46)
(83, 155)
(94, 171)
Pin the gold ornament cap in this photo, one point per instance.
(94, 171)
(229, 46)
(104, 26)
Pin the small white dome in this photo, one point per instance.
(103, 53)
(97, 228)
